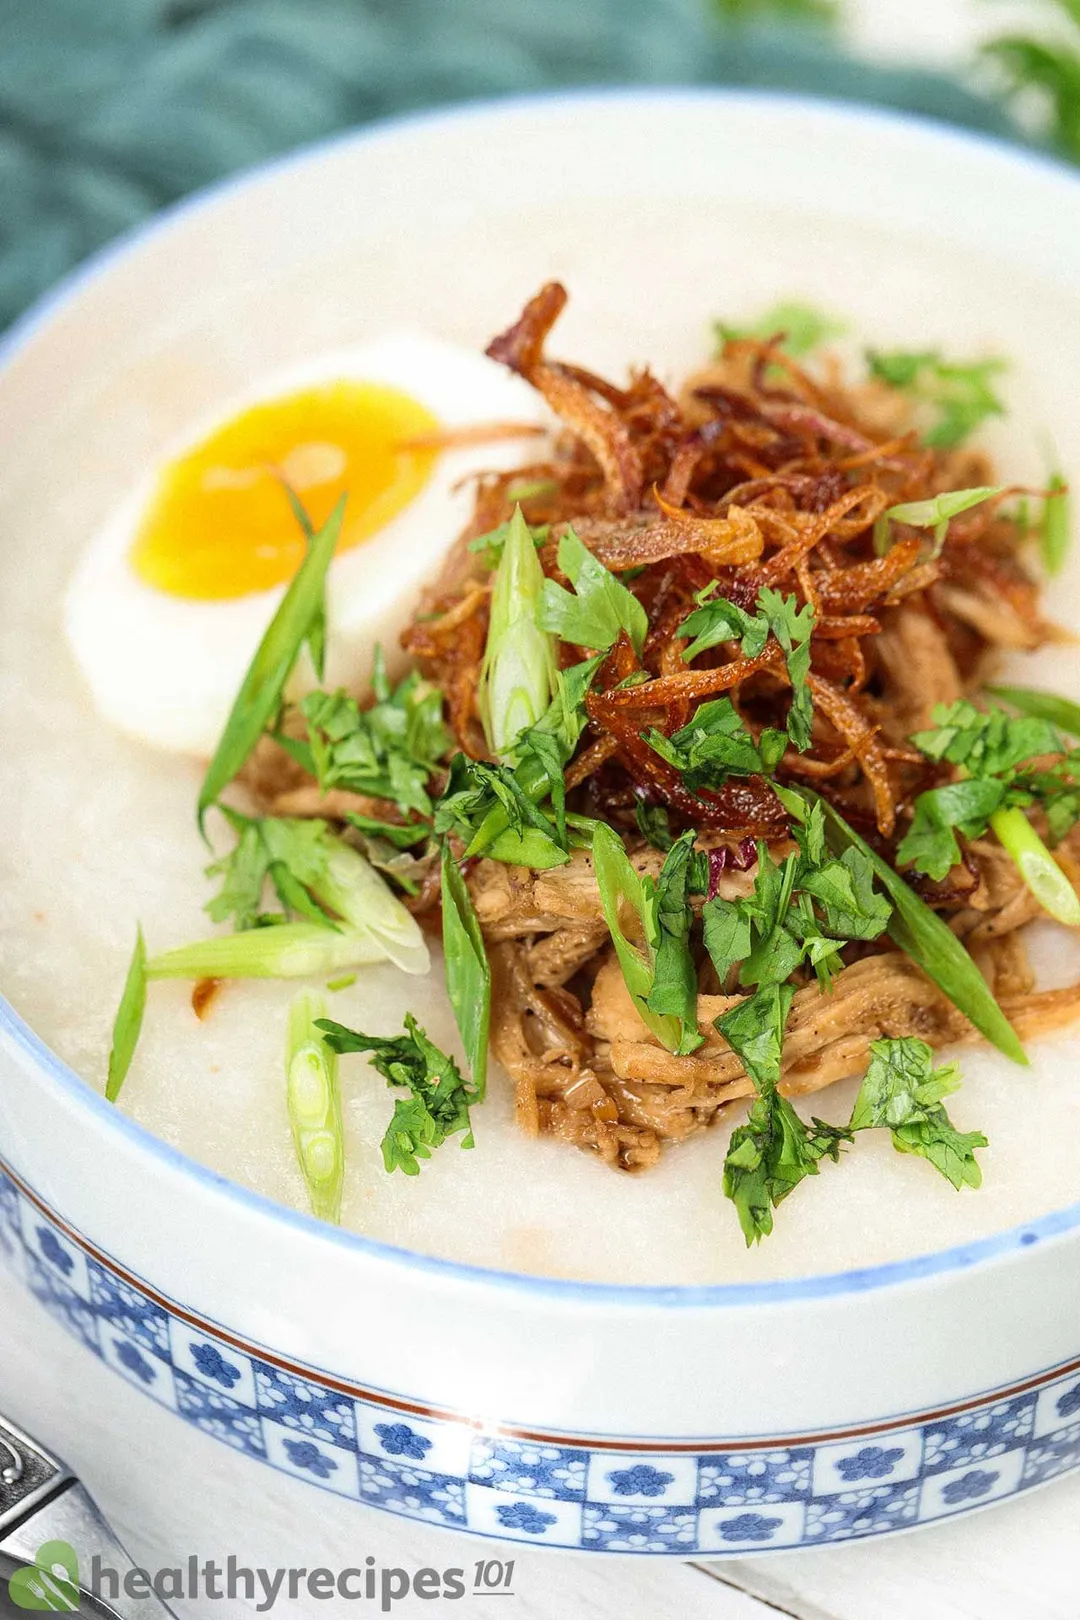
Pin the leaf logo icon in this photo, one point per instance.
(51, 1583)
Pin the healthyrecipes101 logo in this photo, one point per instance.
(52, 1582)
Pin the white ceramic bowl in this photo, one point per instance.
(718, 1420)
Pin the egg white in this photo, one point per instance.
(166, 668)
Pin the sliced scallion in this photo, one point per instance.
(261, 690)
(129, 1017)
(518, 675)
(1038, 868)
(314, 1103)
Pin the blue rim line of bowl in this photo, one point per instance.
(85, 1097)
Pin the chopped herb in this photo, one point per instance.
(437, 1106)
(654, 825)
(344, 982)
(129, 1018)
(716, 744)
(957, 397)
(468, 972)
(769, 1155)
(903, 1092)
(659, 971)
(598, 610)
(935, 514)
(314, 1104)
(774, 1150)
(260, 696)
(525, 836)
(290, 853)
(496, 810)
(991, 748)
(716, 620)
(921, 934)
(802, 910)
(675, 987)
(801, 327)
(518, 674)
(387, 751)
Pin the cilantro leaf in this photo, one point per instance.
(987, 742)
(727, 934)
(921, 934)
(387, 751)
(476, 793)
(792, 628)
(755, 1031)
(769, 1155)
(848, 904)
(291, 853)
(662, 961)
(803, 327)
(496, 808)
(716, 620)
(675, 985)
(774, 1150)
(990, 749)
(930, 844)
(716, 744)
(437, 1106)
(599, 608)
(654, 825)
(802, 910)
(957, 397)
(903, 1092)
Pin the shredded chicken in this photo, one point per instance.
(758, 474)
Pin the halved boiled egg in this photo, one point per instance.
(172, 596)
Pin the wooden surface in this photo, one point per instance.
(172, 1491)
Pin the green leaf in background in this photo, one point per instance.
(468, 972)
(129, 1017)
(956, 395)
(804, 328)
(1045, 73)
(821, 13)
(261, 692)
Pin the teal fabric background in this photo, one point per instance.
(111, 108)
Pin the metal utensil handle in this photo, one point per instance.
(29, 1475)
(42, 1501)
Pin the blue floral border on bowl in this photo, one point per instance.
(607, 1495)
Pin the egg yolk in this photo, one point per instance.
(220, 524)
